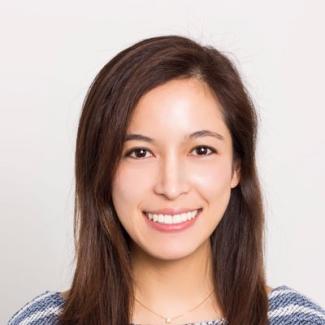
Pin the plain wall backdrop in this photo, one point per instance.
(50, 53)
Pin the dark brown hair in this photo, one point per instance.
(101, 291)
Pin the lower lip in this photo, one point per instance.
(172, 227)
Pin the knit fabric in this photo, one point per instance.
(286, 307)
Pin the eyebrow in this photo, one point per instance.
(194, 135)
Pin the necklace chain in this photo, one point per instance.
(169, 319)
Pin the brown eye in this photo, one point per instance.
(202, 150)
(138, 153)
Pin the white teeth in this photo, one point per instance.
(172, 219)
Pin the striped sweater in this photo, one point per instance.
(286, 307)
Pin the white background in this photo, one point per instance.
(50, 53)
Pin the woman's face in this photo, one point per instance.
(174, 170)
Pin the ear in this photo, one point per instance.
(235, 174)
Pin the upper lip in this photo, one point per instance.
(172, 211)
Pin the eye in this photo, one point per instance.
(139, 153)
(203, 149)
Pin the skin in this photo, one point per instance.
(172, 271)
(172, 173)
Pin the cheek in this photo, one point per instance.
(214, 186)
(214, 179)
(128, 189)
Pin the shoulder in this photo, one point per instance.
(42, 309)
(288, 306)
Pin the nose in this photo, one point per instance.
(172, 180)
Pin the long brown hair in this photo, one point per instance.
(102, 291)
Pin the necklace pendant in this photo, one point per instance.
(168, 320)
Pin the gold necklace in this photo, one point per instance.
(169, 319)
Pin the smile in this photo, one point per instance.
(173, 219)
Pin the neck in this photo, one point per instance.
(172, 286)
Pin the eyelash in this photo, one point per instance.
(141, 148)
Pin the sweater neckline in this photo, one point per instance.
(203, 322)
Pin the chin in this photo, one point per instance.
(169, 252)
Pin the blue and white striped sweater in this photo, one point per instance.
(286, 307)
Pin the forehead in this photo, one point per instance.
(177, 108)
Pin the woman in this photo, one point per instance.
(168, 218)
